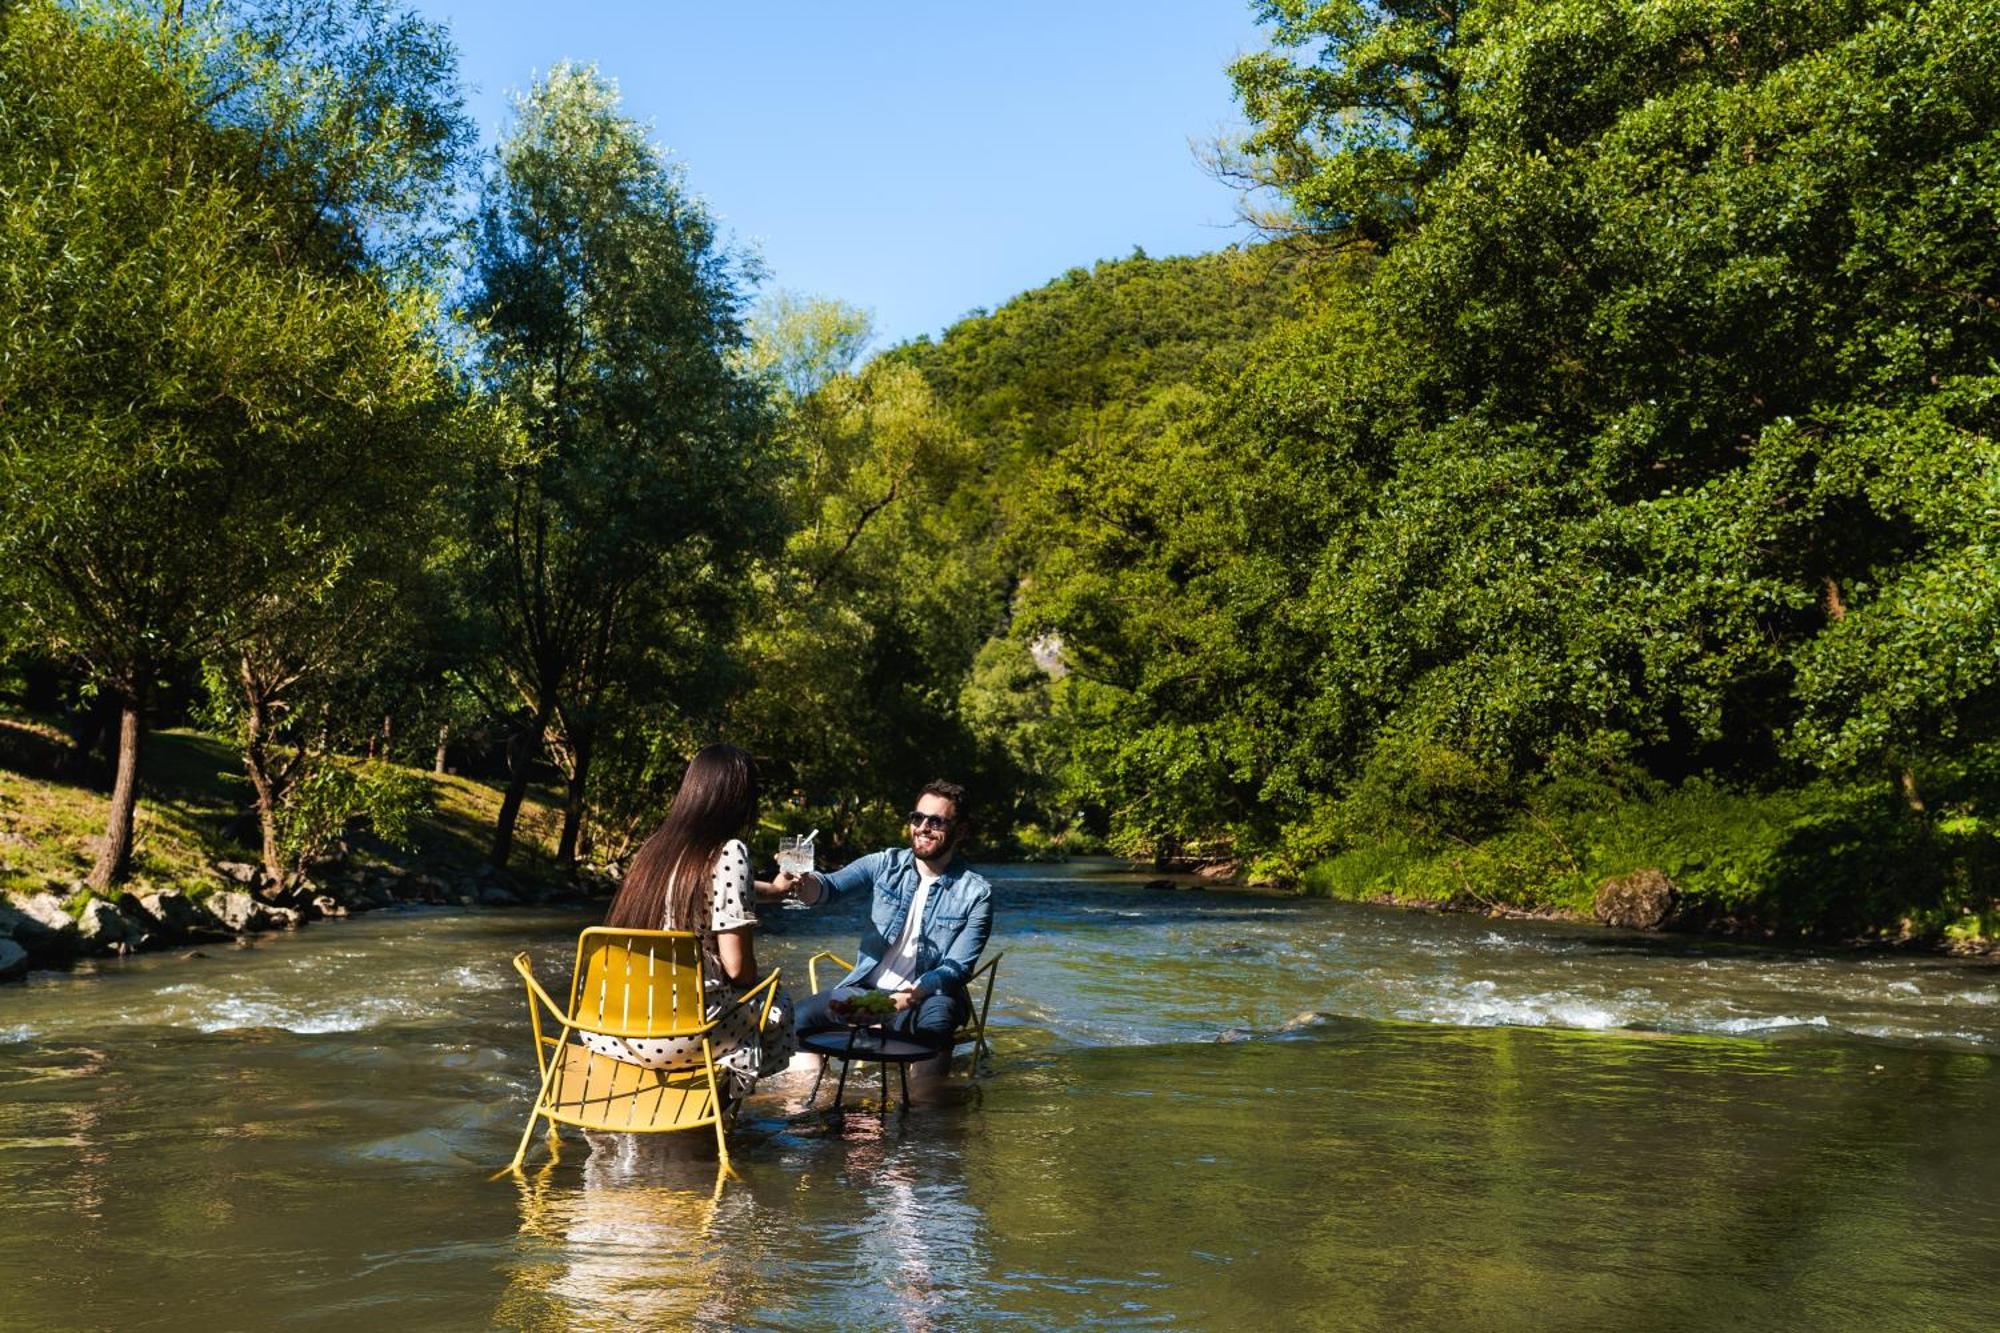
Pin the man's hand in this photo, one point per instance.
(905, 998)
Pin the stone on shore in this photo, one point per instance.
(1642, 900)
(102, 928)
(38, 923)
(237, 912)
(14, 961)
(242, 872)
(176, 914)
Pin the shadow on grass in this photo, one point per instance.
(40, 750)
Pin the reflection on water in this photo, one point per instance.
(594, 1250)
(1205, 1110)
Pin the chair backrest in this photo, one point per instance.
(642, 982)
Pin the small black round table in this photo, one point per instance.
(869, 1044)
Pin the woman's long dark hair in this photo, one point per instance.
(668, 880)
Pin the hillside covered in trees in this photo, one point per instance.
(1590, 472)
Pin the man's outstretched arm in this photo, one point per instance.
(818, 886)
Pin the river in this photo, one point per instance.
(1205, 1109)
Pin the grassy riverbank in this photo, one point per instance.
(193, 796)
(1829, 860)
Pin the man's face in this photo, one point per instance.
(933, 827)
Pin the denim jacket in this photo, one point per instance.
(957, 916)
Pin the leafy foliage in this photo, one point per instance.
(209, 398)
(632, 490)
(320, 807)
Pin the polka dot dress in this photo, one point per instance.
(739, 1053)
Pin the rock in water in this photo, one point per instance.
(283, 918)
(1642, 900)
(13, 961)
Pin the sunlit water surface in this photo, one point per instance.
(1205, 1109)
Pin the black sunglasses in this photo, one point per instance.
(918, 819)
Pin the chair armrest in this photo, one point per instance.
(812, 966)
(769, 985)
(535, 991)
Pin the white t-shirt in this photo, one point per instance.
(898, 967)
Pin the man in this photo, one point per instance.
(929, 920)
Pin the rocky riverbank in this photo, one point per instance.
(55, 929)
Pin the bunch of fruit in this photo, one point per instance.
(864, 1006)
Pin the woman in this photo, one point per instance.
(694, 874)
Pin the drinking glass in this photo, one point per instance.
(795, 855)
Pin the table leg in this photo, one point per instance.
(847, 1058)
(904, 1069)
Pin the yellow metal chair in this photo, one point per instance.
(972, 1030)
(641, 985)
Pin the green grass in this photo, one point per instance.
(1827, 859)
(192, 794)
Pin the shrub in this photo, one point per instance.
(321, 805)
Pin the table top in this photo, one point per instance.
(868, 1044)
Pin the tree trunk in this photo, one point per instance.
(573, 806)
(257, 763)
(1906, 784)
(114, 858)
(523, 750)
(444, 736)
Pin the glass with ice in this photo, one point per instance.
(795, 855)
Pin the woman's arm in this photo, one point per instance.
(738, 952)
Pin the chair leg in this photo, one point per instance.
(541, 1095)
(715, 1107)
(813, 1096)
(521, 1150)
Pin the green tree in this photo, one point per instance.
(637, 481)
(1659, 443)
(868, 619)
(199, 365)
(1352, 136)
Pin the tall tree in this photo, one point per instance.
(199, 363)
(1352, 134)
(638, 479)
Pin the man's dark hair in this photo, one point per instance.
(961, 805)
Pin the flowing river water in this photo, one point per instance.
(1205, 1109)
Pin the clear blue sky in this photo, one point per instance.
(920, 160)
